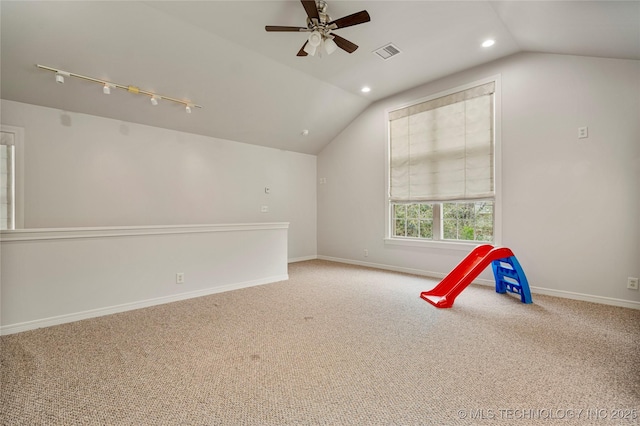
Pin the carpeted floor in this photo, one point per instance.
(335, 345)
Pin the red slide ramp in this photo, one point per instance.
(444, 294)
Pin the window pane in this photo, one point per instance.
(450, 229)
(413, 210)
(399, 230)
(426, 229)
(413, 228)
(426, 211)
(449, 211)
(399, 211)
(468, 221)
(468, 232)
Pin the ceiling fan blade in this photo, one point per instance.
(301, 52)
(353, 19)
(279, 28)
(311, 8)
(344, 44)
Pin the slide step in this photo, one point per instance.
(510, 277)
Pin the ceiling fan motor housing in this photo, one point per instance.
(321, 25)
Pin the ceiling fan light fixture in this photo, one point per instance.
(315, 39)
(314, 42)
(311, 50)
(330, 46)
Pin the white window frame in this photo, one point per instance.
(18, 143)
(497, 226)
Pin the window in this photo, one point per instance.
(455, 221)
(442, 167)
(11, 160)
(7, 178)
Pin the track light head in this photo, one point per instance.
(106, 89)
(188, 109)
(154, 100)
(60, 75)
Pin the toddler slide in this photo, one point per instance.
(506, 268)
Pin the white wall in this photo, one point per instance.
(87, 171)
(571, 207)
(60, 275)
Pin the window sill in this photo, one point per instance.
(445, 245)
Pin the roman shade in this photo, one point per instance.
(443, 149)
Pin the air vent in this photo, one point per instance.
(387, 51)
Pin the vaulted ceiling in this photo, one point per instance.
(253, 87)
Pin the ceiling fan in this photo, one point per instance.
(320, 27)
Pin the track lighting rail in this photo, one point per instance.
(60, 74)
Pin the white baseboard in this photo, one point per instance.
(93, 313)
(534, 289)
(586, 297)
(429, 274)
(302, 259)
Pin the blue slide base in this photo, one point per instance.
(510, 277)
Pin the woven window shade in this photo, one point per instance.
(442, 149)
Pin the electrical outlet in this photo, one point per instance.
(632, 283)
(583, 132)
(180, 278)
(264, 209)
(366, 253)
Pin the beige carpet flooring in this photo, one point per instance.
(333, 345)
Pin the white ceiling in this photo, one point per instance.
(253, 87)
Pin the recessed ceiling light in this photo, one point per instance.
(365, 89)
(488, 43)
